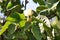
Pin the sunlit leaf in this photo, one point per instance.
(9, 5)
(15, 17)
(22, 23)
(4, 27)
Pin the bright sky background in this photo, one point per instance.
(31, 5)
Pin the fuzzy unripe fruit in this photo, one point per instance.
(28, 13)
(1, 0)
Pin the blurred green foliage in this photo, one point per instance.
(16, 27)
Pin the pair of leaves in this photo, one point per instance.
(19, 19)
(4, 27)
(46, 28)
(16, 17)
(9, 27)
(18, 34)
(49, 12)
(10, 30)
(12, 18)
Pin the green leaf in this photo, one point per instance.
(27, 26)
(20, 34)
(30, 36)
(50, 11)
(9, 5)
(46, 28)
(58, 5)
(57, 37)
(22, 23)
(52, 1)
(22, 16)
(45, 12)
(40, 8)
(55, 5)
(36, 32)
(58, 10)
(3, 5)
(4, 27)
(16, 17)
(17, 34)
(12, 28)
(41, 2)
(58, 24)
(49, 3)
(0, 8)
(10, 31)
(15, 8)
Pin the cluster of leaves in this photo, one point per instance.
(50, 9)
(17, 28)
